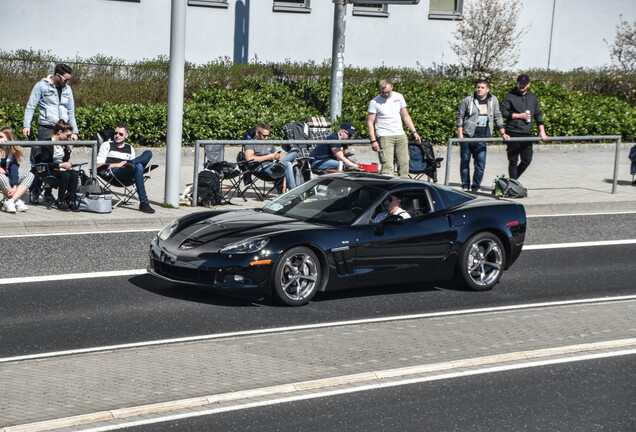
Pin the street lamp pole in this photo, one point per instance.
(337, 60)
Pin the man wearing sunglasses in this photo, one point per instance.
(392, 206)
(54, 97)
(118, 156)
(384, 121)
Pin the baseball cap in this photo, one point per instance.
(523, 79)
(349, 128)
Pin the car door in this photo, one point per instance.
(402, 252)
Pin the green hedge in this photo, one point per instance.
(218, 113)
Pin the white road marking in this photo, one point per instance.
(69, 421)
(579, 244)
(71, 276)
(581, 214)
(58, 234)
(274, 330)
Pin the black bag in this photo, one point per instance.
(209, 188)
(508, 188)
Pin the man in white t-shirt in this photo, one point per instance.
(384, 120)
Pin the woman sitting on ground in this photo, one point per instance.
(57, 158)
(12, 184)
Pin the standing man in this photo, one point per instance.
(118, 156)
(476, 116)
(519, 107)
(330, 156)
(386, 113)
(267, 155)
(54, 97)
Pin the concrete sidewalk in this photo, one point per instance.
(567, 178)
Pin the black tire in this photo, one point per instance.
(296, 276)
(481, 262)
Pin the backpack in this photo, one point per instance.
(209, 188)
(508, 188)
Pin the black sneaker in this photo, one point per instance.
(73, 207)
(61, 205)
(145, 207)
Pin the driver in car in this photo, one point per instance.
(392, 206)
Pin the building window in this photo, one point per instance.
(446, 9)
(209, 3)
(375, 10)
(301, 6)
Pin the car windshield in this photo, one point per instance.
(326, 200)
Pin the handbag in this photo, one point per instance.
(96, 203)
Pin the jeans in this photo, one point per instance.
(325, 164)
(478, 151)
(140, 163)
(287, 162)
(515, 150)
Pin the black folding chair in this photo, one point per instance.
(109, 183)
(252, 172)
(45, 181)
(422, 161)
(215, 161)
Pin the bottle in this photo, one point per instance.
(495, 187)
(529, 119)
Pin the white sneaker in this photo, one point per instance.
(21, 206)
(8, 206)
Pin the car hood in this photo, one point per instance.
(235, 225)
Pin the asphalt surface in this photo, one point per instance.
(560, 181)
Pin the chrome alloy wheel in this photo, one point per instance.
(299, 276)
(484, 262)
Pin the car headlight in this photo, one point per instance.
(246, 246)
(167, 231)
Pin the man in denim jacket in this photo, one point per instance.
(55, 99)
(475, 118)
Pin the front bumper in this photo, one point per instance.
(214, 271)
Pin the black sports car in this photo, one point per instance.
(331, 233)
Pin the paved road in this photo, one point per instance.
(582, 396)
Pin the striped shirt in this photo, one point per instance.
(110, 153)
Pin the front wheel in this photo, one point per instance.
(481, 262)
(296, 276)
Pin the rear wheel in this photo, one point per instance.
(481, 262)
(296, 276)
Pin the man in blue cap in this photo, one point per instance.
(331, 156)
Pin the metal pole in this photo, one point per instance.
(337, 59)
(175, 102)
(551, 31)
(616, 164)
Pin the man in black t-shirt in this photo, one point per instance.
(475, 118)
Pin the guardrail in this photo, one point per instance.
(615, 138)
(92, 143)
(199, 143)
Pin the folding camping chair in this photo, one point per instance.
(109, 182)
(422, 161)
(252, 172)
(45, 181)
(215, 161)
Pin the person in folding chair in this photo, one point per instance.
(332, 156)
(12, 184)
(267, 156)
(57, 157)
(116, 161)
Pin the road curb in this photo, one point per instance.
(314, 384)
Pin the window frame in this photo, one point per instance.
(448, 15)
(298, 6)
(221, 4)
(371, 10)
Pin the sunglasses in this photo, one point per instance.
(387, 92)
(64, 79)
(119, 133)
(264, 135)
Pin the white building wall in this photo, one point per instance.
(135, 31)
